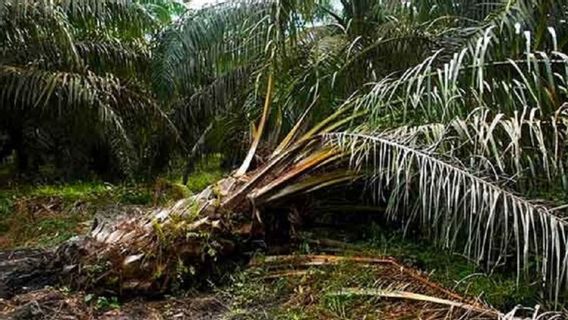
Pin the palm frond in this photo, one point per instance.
(521, 146)
(208, 43)
(40, 37)
(114, 57)
(448, 201)
(212, 100)
(524, 147)
(111, 106)
(394, 293)
(133, 18)
(468, 82)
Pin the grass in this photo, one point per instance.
(207, 171)
(311, 296)
(47, 215)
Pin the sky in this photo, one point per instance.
(200, 3)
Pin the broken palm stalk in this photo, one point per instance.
(330, 260)
(405, 295)
(390, 281)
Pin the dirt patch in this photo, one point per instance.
(45, 304)
(19, 271)
(56, 304)
(199, 308)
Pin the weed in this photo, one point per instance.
(207, 172)
(103, 303)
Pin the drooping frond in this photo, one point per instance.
(459, 208)
(61, 34)
(70, 59)
(123, 60)
(522, 146)
(110, 106)
(208, 43)
(122, 18)
(40, 38)
(212, 100)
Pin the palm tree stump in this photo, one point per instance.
(169, 245)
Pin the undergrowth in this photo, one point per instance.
(499, 287)
(46, 215)
(302, 298)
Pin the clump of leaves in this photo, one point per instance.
(102, 303)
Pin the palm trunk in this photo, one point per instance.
(150, 254)
(191, 239)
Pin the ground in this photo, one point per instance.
(381, 275)
(262, 292)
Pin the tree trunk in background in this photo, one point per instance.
(22, 159)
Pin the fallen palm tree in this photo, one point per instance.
(149, 254)
(189, 239)
(454, 143)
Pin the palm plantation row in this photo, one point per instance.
(450, 114)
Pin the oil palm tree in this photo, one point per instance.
(75, 80)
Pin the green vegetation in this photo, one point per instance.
(498, 288)
(75, 82)
(206, 172)
(46, 215)
(257, 296)
(103, 303)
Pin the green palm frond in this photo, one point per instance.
(42, 38)
(208, 43)
(37, 90)
(214, 99)
(212, 41)
(111, 107)
(70, 59)
(131, 17)
(115, 57)
(468, 127)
